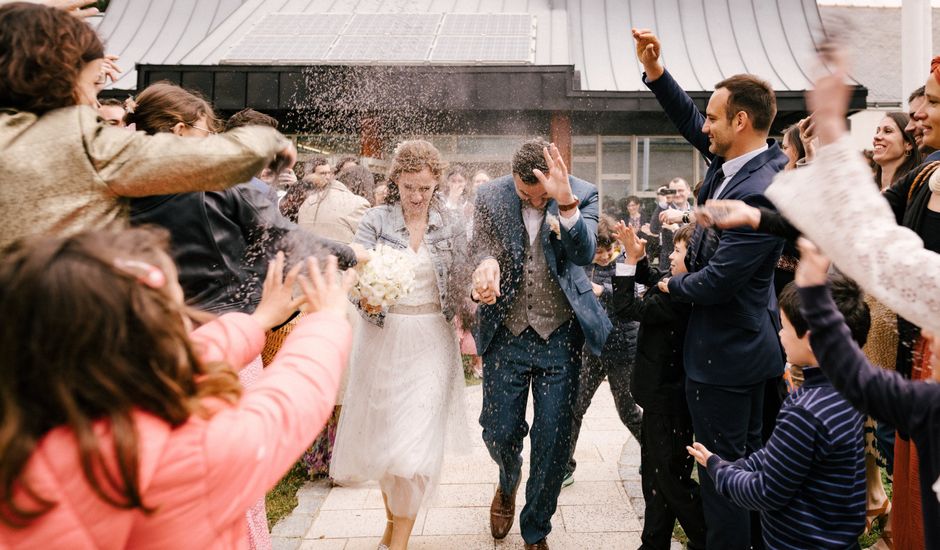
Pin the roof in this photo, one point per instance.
(873, 38)
(592, 35)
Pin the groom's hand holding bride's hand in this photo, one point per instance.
(486, 282)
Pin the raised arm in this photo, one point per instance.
(677, 104)
(134, 164)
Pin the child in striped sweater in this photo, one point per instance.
(808, 482)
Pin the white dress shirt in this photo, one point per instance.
(731, 167)
(533, 218)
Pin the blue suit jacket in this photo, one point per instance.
(732, 336)
(499, 232)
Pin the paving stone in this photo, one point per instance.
(322, 544)
(346, 498)
(285, 543)
(463, 542)
(465, 494)
(591, 492)
(294, 525)
(347, 523)
(599, 519)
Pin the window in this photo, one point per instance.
(660, 159)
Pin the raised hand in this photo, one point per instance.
(75, 7)
(813, 269)
(326, 291)
(556, 182)
(647, 52)
(633, 246)
(726, 214)
(284, 159)
(277, 303)
(486, 282)
(829, 98)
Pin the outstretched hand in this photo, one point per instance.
(647, 52)
(75, 7)
(277, 302)
(699, 453)
(727, 214)
(326, 290)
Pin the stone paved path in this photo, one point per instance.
(601, 510)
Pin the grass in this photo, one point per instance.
(467, 373)
(282, 500)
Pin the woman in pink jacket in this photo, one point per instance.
(118, 427)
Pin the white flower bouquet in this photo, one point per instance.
(386, 278)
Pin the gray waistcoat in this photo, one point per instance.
(540, 302)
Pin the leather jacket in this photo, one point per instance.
(222, 242)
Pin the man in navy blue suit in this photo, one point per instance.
(534, 230)
(731, 346)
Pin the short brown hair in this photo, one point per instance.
(528, 157)
(42, 52)
(754, 96)
(162, 105)
(683, 234)
(359, 180)
(249, 117)
(130, 352)
(605, 231)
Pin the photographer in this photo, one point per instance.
(674, 211)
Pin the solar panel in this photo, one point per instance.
(281, 49)
(409, 24)
(381, 48)
(301, 24)
(489, 24)
(494, 49)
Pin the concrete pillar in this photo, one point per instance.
(561, 135)
(916, 45)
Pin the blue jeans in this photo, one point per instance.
(510, 366)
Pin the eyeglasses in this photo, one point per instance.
(206, 130)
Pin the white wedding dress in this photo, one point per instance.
(404, 405)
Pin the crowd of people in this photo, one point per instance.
(177, 292)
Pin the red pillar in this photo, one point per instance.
(370, 142)
(561, 134)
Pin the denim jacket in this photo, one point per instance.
(445, 239)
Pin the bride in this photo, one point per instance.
(405, 402)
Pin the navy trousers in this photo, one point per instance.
(511, 365)
(727, 420)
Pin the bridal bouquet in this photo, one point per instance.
(388, 276)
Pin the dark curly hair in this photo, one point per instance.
(42, 52)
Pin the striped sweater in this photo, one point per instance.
(808, 482)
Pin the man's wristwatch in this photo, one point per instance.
(685, 218)
(570, 205)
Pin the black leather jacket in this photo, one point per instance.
(222, 242)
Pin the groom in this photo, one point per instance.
(534, 231)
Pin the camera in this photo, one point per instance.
(665, 191)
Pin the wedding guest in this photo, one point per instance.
(112, 112)
(634, 213)
(658, 385)
(893, 150)
(345, 163)
(360, 181)
(457, 192)
(381, 192)
(616, 361)
(479, 178)
(732, 353)
(404, 405)
(816, 444)
(331, 210)
(299, 192)
(128, 427)
(49, 113)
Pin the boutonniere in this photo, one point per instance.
(553, 224)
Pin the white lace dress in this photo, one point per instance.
(404, 405)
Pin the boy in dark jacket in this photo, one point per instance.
(617, 358)
(658, 386)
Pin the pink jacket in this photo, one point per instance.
(203, 475)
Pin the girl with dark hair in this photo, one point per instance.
(893, 150)
(119, 427)
(74, 169)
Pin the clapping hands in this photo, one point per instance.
(633, 246)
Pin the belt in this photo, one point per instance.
(415, 310)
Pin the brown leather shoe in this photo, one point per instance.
(540, 545)
(502, 512)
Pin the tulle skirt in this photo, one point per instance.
(404, 409)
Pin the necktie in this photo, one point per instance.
(719, 179)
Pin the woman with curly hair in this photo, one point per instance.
(74, 169)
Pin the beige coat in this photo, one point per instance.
(333, 213)
(66, 171)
